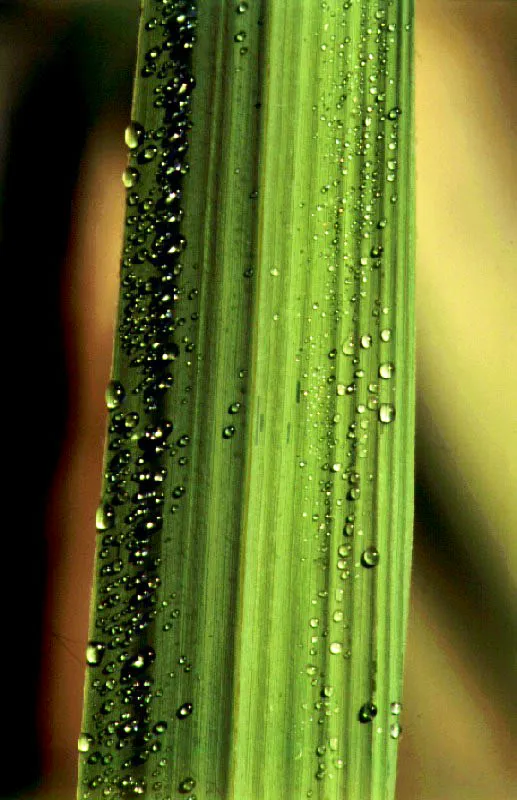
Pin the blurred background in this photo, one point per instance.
(65, 87)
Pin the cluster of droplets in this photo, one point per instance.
(122, 735)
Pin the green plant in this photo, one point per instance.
(254, 536)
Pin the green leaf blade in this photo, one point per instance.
(283, 624)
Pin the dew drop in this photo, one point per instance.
(130, 177)
(184, 710)
(115, 394)
(386, 412)
(104, 517)
(228, 432)
(186, 785)
(396, 708)
(242, 8)
(395, 730)
(160, 727)
(134, 135)
(94, 653)
(386, 370)
(366, 341)
(239, 37)
(367, 712)
(385, 335)
(394, 113)
(336, 648)
(234, 408)
(84, 742)
(370, 557)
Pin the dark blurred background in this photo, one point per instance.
(65, 87)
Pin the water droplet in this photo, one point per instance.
(396, 708)
(94, 653)
(394, 113)
(149, 153)
(348, 348)
(134, 135)
(84, 742)
(386, 370)
(386, 334)
(386, 412)
(239, 37)
(341, 389)
(186, 785)
(336, 648)
(366, 341)
(160, 727)
(228, 432)
(114, 395)
(184, 710)
(274, 272)
(104, 517)
(370, 557)
(130, 177)
(336, 467)
(234, 408)
(395, 730)
(367, 712)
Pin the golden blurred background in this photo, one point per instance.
(64, 103)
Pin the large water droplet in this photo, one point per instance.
(134, 135)
(94, 653)
(386, 412)
(367, 712)
(115, 394)
(104, 517)
(395, 730)
(336, 648)
(186, 785)
(84, 742)
(370, 557)
(184, 710)
(130, 177)
(386, 370)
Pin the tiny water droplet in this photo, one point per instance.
(228, 432)
(242, 8)
(234, 408)
(367, 712)
(386, 412)
(115, 394)
(239, 37)
(184, 710)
